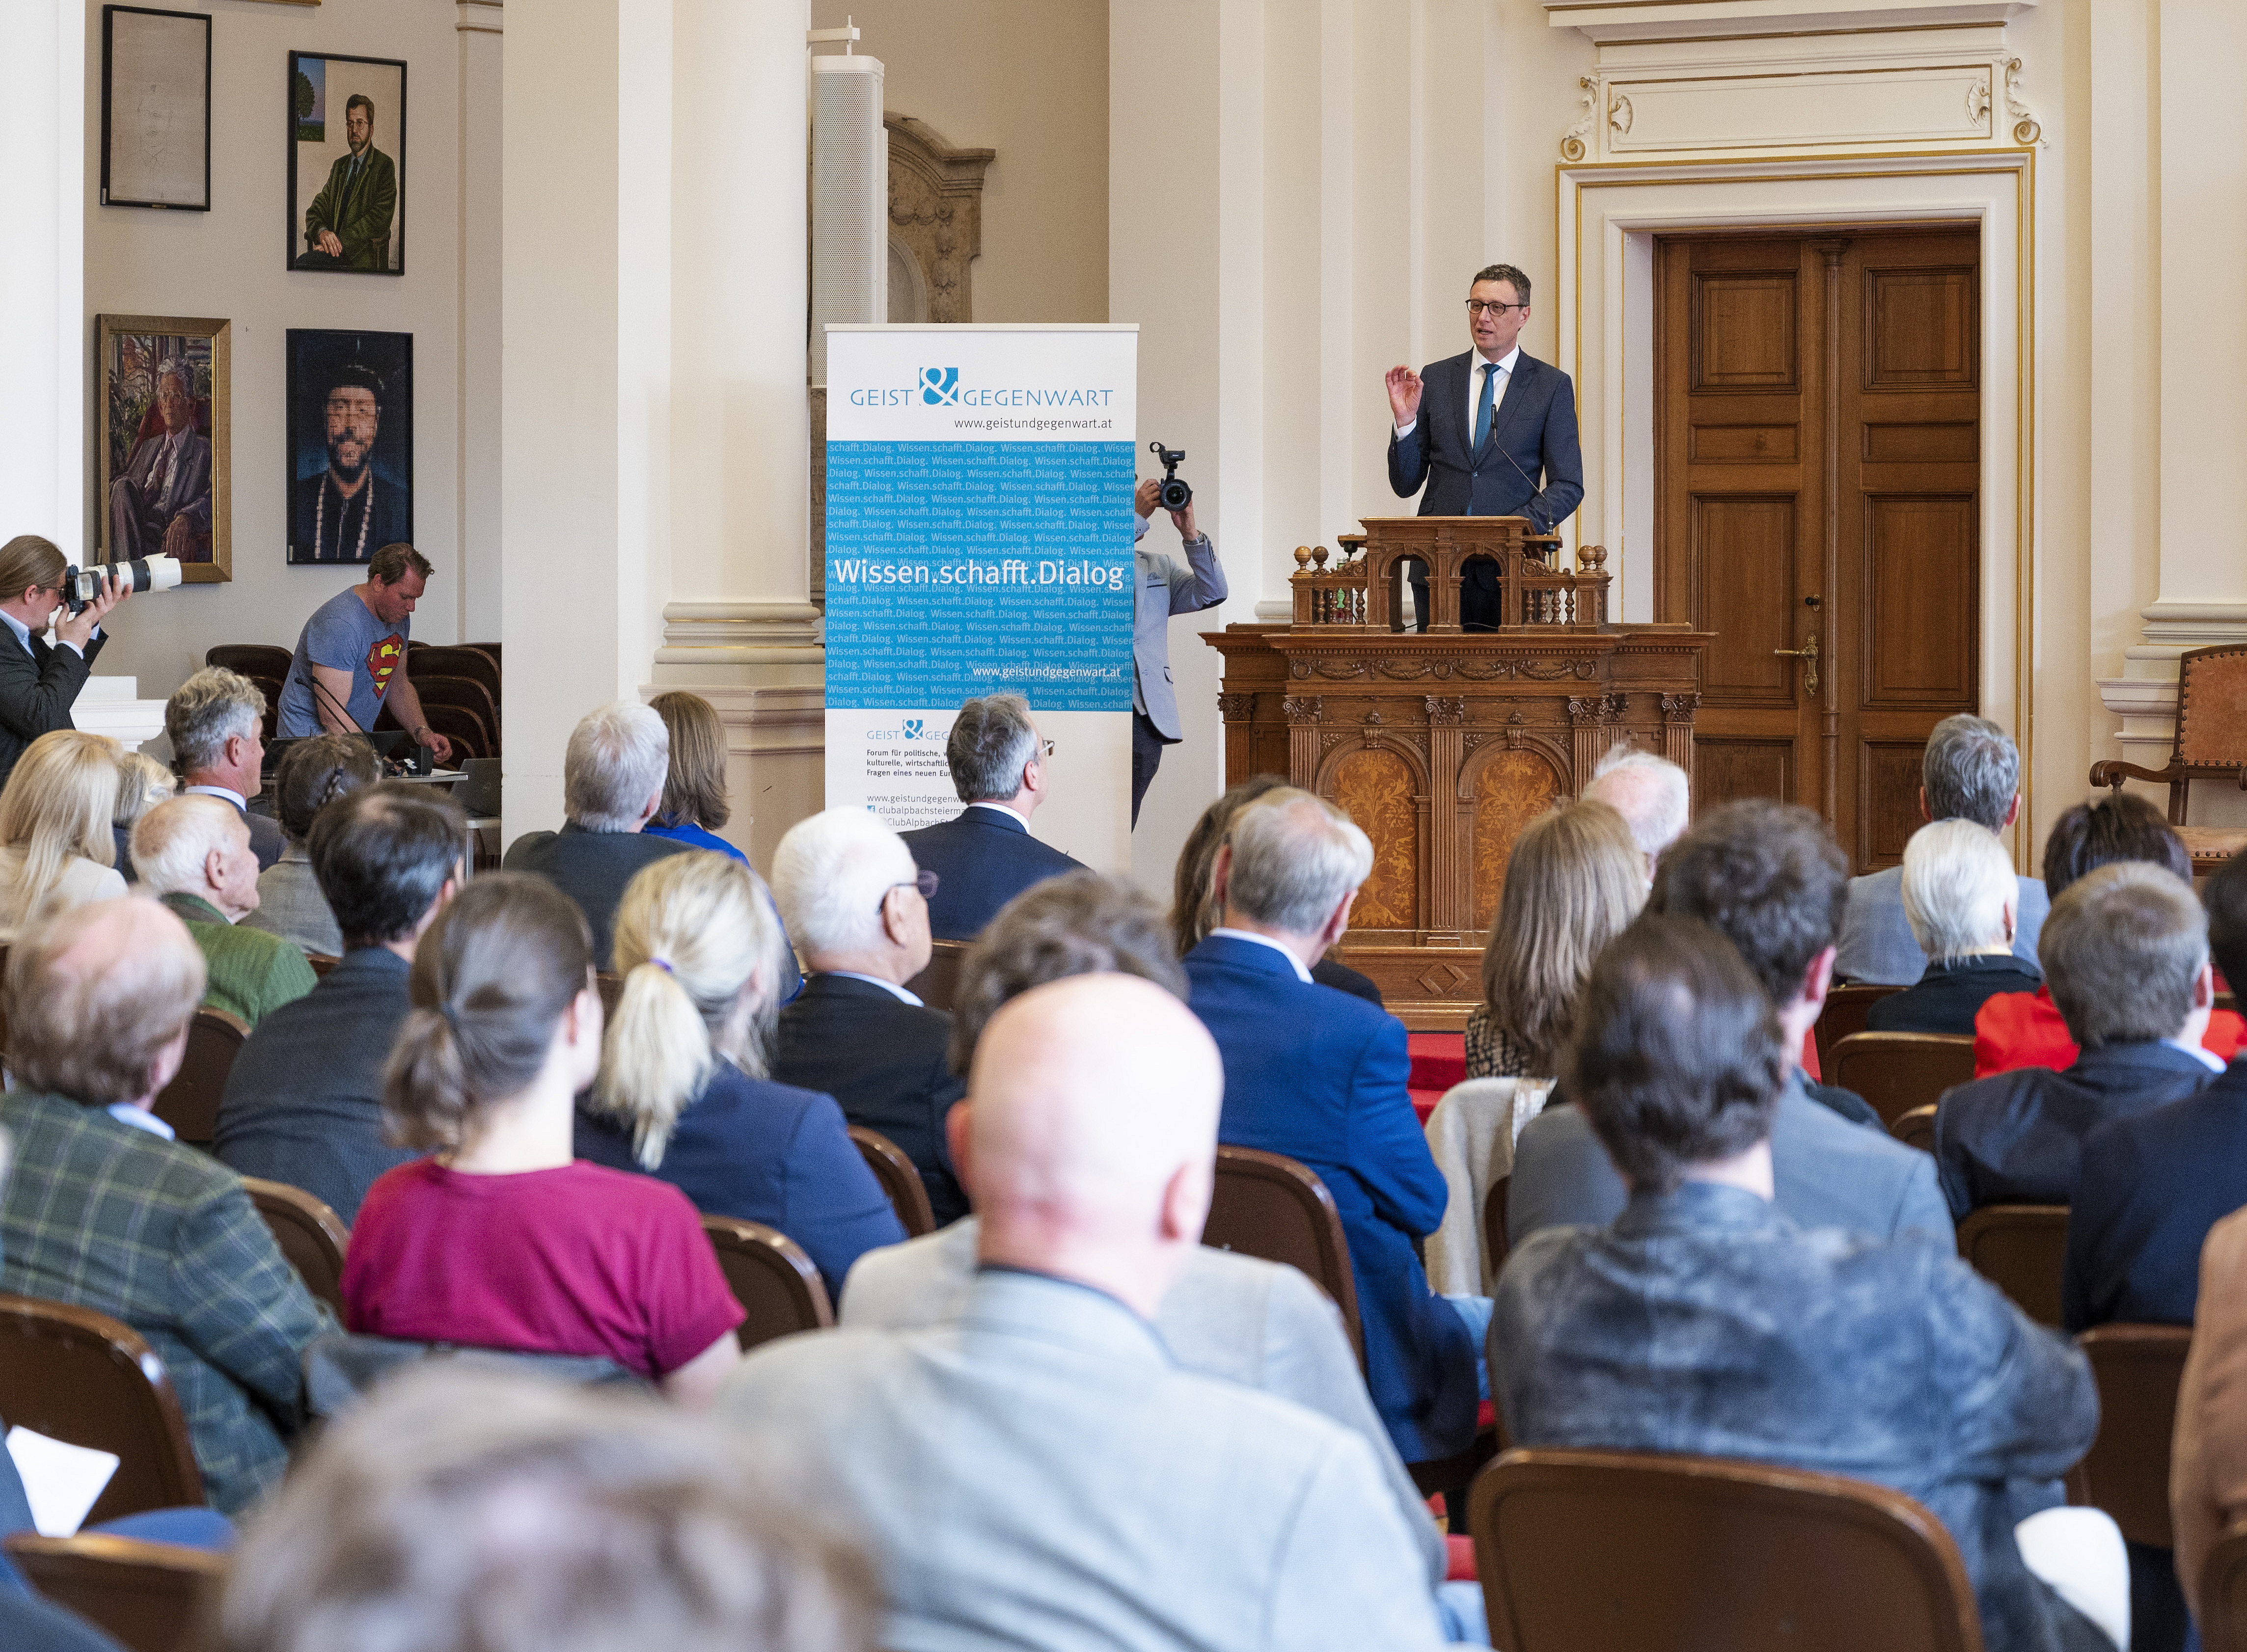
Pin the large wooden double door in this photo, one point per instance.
(1818, 481)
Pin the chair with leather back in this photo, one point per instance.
(1495, 1245)
(2138, 1369)
(937, 984)
(252, 659)
(1589, 1551)
(1916, 1129)
(310, 1235)
(2021, 1249)
(1898, 1071)
(147, 1597)
(1269, 1206)
(2224, 1594)
(189, 1102)
(87, 1379)
(1844, 1016)
(429, 659)
(2210, 744)
(771, 1277)
(908, 1193)
(466, 694)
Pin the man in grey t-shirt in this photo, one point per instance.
(351, 657)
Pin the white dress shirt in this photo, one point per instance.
(891, 987)
(1005, 808)
(1301, 974)
(140, 1119)
(227, 792)
(1474, 392)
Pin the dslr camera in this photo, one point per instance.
(1175, 495)
(142, 573)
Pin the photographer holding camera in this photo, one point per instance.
(1161, 588)
(39, 681)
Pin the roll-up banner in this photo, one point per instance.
(979, 542)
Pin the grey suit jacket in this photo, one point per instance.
(1165, 589)
(1036, 1470)
(290, 904)
(1877, 947)
(1233, 1317)
(1827, 1173)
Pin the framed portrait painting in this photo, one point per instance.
(155, 108)
(165, 462)
(346, 164)
(350, 444)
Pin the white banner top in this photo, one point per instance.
(981, 383)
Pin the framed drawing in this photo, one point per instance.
(155, 108)
(350, 444)
(346, 164)
(165, 468)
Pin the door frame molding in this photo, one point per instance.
(1608, 215)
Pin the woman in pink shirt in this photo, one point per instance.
(502, 1239)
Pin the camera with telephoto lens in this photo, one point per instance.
(1175, 495)
(142, 573)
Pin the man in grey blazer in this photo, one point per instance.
(1036, 1469)
(1160, 588)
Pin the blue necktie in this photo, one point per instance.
(1482, 408)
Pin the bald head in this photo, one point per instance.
(198, 845)
(1651, 792)
(99, 999)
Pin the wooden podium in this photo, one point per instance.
(1442, 745)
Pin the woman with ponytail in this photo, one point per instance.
(682, 1093)
(501, 1238)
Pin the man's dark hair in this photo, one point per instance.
(1081, 924)
(1678, 1059)
(2117, 827)
(1769, 876)
(389, 565)
(1972, 770)
(1507, 273)
(2226, 900)
(382, 854)
(360, 100)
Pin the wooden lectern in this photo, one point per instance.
(1442, 745)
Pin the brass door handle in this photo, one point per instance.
(1808, 655)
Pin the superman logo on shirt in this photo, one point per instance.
(384, 658)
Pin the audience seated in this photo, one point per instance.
(1773, 881)
(1890, 1361)
(1319, 1076)
(858, 909)
(613, 775)
(1574, 882)
(314, 773)
(105, 1211)
(2126, 956)
(142, 782)
(2208, 1459)
(194, 854)
(2024, 1030)
(2152, 1186)
(304, 1100)
(1195, 909)
(1652, 794)
(985, 856)
(1035, 1469)
(56, 849)
(1972, 770)
(502, 1239)
(1959, 896)
(465, 1511)
(1228, 1316)
(683, 1093)
(215, 721)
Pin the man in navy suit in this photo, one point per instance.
(1479, 428)
(986, 856)
(1320, 1075)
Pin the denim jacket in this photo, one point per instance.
(1705, 1321)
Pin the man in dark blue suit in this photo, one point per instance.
(1478, 429)
(987, 857)
(1320, 1075)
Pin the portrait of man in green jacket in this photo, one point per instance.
(347, 226)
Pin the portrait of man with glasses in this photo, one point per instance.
(1491, 432)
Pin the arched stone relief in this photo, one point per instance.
(936, 211)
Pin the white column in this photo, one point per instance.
(483, 95)
(44, 346)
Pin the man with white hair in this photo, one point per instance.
(194, 854)
(1320, 1075)
(857, 908)
(1960, 897)
(1651, 793)
(985, 856)
(613, 775)
(1036, 1469)
(215, 721)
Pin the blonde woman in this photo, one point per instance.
(683, 1093)
(57, 850)
(1573, 882)
(142, 782)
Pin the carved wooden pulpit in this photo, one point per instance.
(1443, 744)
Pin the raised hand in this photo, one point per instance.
(1403, 393)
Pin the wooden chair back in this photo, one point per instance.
(147, 1597)
(189, 1102)
(1580, 1551)
(1269, 1206)
(1844, 1016)
(1916, 1129)
(1898, 1071)
(2021, 1249)
(321, 963)
(1495, 1245)
(2138, 1369)
(252, 659)
(776, 1283)
(2211, 743)
(83, 1377)
(310, 1235)
(938, 986)
(899, 1179)
(2224, 1594)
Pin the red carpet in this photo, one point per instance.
(1439, 1061)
